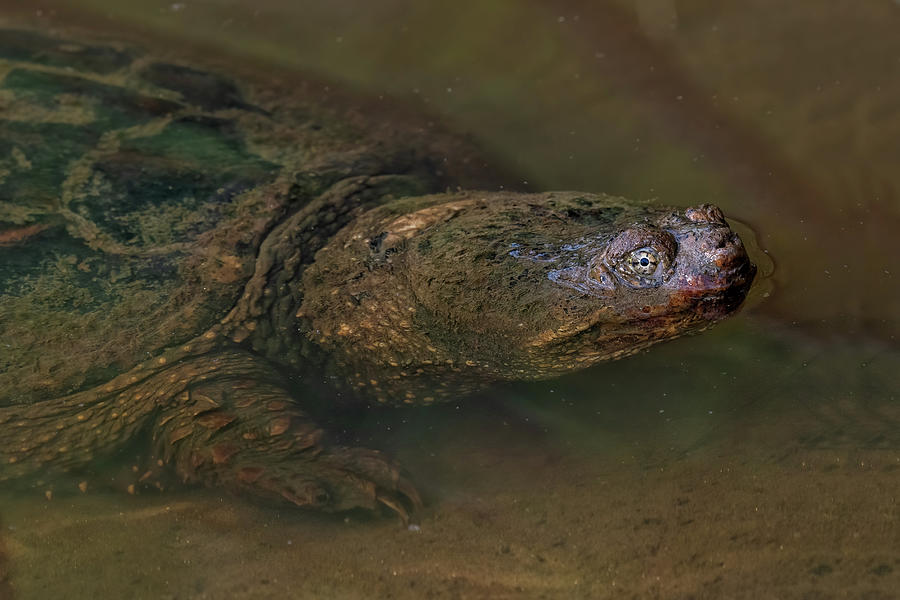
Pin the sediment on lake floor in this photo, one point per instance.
(5, 586)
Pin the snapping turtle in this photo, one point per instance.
(187, 265)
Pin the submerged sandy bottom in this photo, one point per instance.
(792, 497)
(822, 525)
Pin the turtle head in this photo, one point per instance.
(658, 273)
(511, 286)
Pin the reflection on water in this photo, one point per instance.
(763, 455)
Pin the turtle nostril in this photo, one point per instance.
(718, 239)
(723, 238)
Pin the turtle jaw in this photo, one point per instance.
(717, 284)
(717, 304)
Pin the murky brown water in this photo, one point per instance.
(759, 460)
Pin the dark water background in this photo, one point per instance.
(758, 460)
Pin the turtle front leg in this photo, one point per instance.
(248, 435)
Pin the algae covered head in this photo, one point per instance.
(430, 296)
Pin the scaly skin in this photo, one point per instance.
(181, 268)
(218, 414)
(222, 418)
(433, 297)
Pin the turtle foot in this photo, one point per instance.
(296, 467)
(250, 436)
(335, 480)
(370, 480)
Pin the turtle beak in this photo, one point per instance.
(717, 282)
(720, 301)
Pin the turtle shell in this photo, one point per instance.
(134, 195)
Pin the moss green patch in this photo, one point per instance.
(33, 47)
(74, 316)
(16, 214)
(172, 186)
(35, 158)
(203, 142)
(114, 107)
(51, 251)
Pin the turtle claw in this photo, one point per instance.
(404, 500)
(396, 506)
(376, 480)
(405, 487)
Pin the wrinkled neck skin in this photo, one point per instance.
(432, 297)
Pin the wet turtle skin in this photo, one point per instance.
(189, 265)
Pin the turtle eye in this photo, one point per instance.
(642, 257)
(643, 261)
